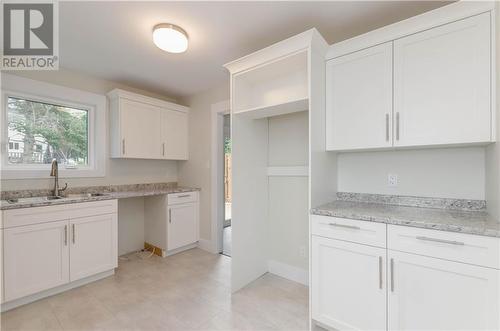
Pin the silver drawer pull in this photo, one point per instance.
(452, 242)
(345, 226)
(184, 196)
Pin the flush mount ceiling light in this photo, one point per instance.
(170, 38)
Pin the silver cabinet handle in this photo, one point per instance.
(397, 126)
(452, 242)
(123, 146)
(65, 235)
(73, 230)
(392, 275)
(184, 196)
(163, 149)
(170, 216)
(380, 262)
(345, 226)
(386, 127)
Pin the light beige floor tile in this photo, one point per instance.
(35, 316)
(187, 291)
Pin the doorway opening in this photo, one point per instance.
(226, 140)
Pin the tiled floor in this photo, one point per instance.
(188, 291)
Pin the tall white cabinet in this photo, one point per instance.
(147, 128)
(272, 91)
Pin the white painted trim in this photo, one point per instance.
(118, 93)
(289, 272)
(206, 245)
(36, 90)
(56, 290)
(217, 189)
(292, 171)
(446, 14)
(180, 249)
(285, 47)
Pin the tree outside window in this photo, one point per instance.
(47, 131)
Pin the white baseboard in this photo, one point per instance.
(206, 245)
(56, 290)
(289, 272)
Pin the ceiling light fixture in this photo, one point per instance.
(170, 38)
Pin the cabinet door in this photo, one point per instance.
(359, 99)
(35, 258)
(140, 130)
(174, 132)
(93, 245)
(434, 294)
(348, 285)
(442, 84)
(182, 225)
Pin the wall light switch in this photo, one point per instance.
(392, 180)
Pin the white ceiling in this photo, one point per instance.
(113, 40)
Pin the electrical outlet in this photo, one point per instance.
(303, 251)
(392, 180)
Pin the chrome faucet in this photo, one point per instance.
(54, 172)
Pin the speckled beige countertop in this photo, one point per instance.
(472, 221)
(37, 198)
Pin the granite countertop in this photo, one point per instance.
(25, 199)
(471, 220)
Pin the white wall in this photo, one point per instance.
(288, 214)
(130, 211)
(196, 171)
(444, 173)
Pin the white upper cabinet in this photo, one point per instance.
(174, 135)
(425, 88)
(442, 84)
(140, 130)
(147, 128)
(359, 99)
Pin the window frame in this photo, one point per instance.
(48, 93)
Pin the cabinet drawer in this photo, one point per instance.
(183, 197)
(35, 215)
(368, 233)
(460, 247)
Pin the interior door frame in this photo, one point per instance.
(218, 110)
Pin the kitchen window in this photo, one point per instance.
(47, 131)
(42, 122)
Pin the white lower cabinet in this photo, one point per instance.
(93, 245)
(47, 247)
(417, 281)
(182, 225)
(348, 285)
(433, 294)
(36, 258)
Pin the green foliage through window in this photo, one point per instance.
(46, 131)
(227, 145)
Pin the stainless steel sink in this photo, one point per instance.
(86, 195)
